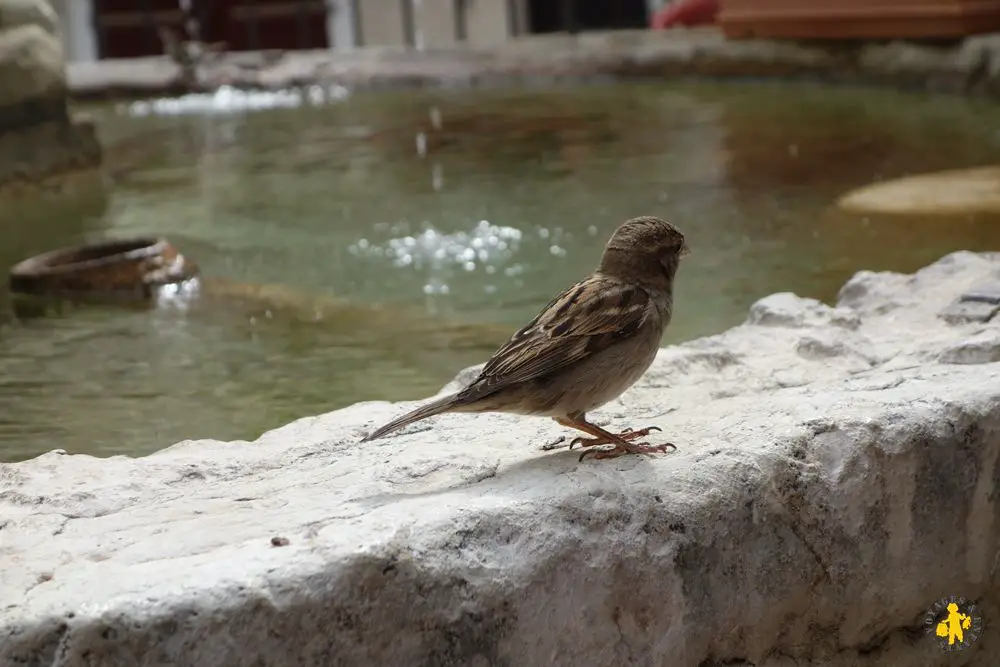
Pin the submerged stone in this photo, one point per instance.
(953, 192)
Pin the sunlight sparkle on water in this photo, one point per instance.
(177, 295)
(227, 99)
(486, 247)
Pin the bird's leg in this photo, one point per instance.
(621, 442)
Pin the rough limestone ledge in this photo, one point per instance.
(836, 474)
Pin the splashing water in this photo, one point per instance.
(486, 247)
(227, 99)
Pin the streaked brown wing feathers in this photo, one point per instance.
(586, 318)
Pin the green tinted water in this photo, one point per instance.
(463, 212)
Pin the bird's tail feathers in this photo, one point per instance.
(444, 404)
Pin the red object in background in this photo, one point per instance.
(858, 19)
(686, 13)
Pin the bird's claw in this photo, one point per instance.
(555, 443)
(633, 448)
(626, 434)
(645, 431)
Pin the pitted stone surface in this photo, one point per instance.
(964, 312)
(987, 292)
(981, 348)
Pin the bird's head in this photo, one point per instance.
(645, 250)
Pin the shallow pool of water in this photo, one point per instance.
(373, 245)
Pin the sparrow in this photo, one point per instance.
(585, 348)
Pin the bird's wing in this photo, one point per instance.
(585, 319)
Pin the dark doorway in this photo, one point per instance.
(274, 24)
(579, 15)
(128, 28)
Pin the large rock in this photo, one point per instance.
(41, 139)
(16, 13)
(31, 67)
(836, 476)
(48, 151)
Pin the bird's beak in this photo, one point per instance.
(685, 250)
